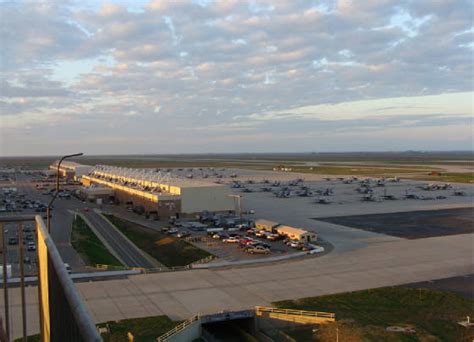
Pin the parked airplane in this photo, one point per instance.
(283, 194)
(364, 190)
(305, 193)
(236, 185)
(368, 198)
(387, 196)
(328, 192)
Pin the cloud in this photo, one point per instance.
(232, 66)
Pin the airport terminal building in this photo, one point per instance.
(157, 193)
(70, 169)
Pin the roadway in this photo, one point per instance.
(126, 251)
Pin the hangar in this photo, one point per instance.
(70, 169)
(161, 193)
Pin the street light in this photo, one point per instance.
(48, 210)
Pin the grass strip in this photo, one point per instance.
(144, 329)
(433, 314)
(168, 250)
(88, 245)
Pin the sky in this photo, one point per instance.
(202, 76)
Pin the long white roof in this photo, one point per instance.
(150, 176)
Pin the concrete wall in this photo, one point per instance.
(212, 198)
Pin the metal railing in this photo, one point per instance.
(63, 316)
(178, 328)
(259, 310)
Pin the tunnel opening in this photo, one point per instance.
(230, 330)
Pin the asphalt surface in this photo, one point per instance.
(412, 224)
(463, 285)
(127, 252)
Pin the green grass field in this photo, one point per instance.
(359, 170)
(364, 315)
(449, 178)
(145, 329)
(88, 245)
(168, 250)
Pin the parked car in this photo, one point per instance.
(273, 237)
(251, 231)
(297, 244)
(246, 240)
(86, 209)
(261, 243)
(231, 239)
(223, 236)
(243, 226)
(12, 241)
(183, 234)
(257, 250)
(260, 233)
(31, 246)
(172, 231)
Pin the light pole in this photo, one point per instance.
(48, 209)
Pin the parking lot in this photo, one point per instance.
(29, 244)
(234, 246)
(234, 241)
(28, 193)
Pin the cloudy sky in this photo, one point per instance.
(235, 76)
